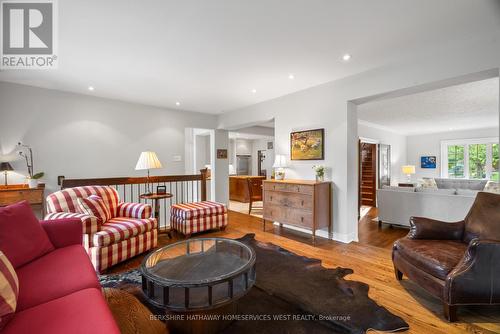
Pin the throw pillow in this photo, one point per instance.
(429, 183)
(492, 187)
(95, 206)
(22, 238)
(9, 290)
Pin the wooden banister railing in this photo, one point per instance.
(184, 188)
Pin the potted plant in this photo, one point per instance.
(27, 154)
(320, 172)
(33, 180)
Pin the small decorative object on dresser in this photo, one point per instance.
(307, 145)
(279, 165)
(300, 203)
(320, 172)
(6, 167)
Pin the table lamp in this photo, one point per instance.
(148, 160)
(5, 167)
(280, 165)
(408, 171)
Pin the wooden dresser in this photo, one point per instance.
(15, 193)
(300, 203)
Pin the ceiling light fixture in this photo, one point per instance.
(254, 90)
(291, 76)
(91, 88)
(177, 103)
(346, 57)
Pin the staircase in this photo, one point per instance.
(368, 174)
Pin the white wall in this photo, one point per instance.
(327, 106)
(261, 145)
(81, 136)
(430, 144)
(398, 147)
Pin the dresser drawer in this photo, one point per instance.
(274, 213)
(299, 218)
(289, 187)
(275, 186)
(299, 201)
(14, 196)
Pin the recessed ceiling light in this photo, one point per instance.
(91, 88)
(254, 90)
(291, 76)
(177, 103)
(346, 57)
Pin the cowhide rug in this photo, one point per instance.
(306, 297)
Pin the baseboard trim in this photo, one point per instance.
(341, 237)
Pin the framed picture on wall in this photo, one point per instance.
(307, 145)
(428, 162)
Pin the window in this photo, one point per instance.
(470, 159)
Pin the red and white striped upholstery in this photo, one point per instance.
(129, 231)
(66, 200)
(107, 256)
(118, 229)
(90, 223)
(95, 206)
(188, 218)
(134, 210)
(9, 290)
(189, 226)
(197, 209)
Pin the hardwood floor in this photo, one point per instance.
(371, 261)
(370, 233)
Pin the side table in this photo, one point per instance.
(157, 197)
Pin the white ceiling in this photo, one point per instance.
(209, 55)
(472, 105)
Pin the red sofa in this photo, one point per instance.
(59, 291)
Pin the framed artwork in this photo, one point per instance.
(221, 154)
(428, 162)
(307, 145)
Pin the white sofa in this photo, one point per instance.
(450, 202)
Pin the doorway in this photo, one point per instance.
(367, 174)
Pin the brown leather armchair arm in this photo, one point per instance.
(476, 279)
(426, 228)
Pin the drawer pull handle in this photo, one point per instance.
(298, 189)
(301, 219)
(271, 198)
(302, 203)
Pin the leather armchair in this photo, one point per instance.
(457, 262)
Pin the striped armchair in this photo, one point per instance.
(130, 230)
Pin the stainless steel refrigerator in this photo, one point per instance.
(243, 164)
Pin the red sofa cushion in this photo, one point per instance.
(81, 312)
(57, 274)
(22, 239)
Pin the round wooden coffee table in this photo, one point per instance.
(195, 278)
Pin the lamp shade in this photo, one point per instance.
(280, 161)
(5, 166)
(408, 170)
(148, 160)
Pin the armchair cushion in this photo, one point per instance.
(483, 220)
(134, 210)
(436, 257)
(90, 224)
(118, 229)
(63, 232)
(426, 228)
(94, 206)
(22, 239)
